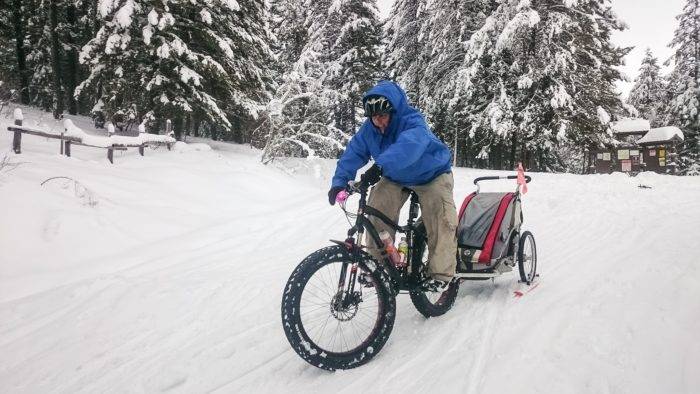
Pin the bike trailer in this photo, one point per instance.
(488, 226)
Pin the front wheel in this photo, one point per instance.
(331, 321)
(430, 304)
(527, 258)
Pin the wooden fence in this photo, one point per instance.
(67, 139)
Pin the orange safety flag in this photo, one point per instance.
(521, 178)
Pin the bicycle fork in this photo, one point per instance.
(346, 288)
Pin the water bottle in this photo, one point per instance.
(390, 248)
(403, 251)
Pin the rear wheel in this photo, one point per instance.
(429, 303)
(527, 258)
(331, 324)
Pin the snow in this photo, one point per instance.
(172, 281)
(147, 32)
(560, 98)
(525, 82)
(166, 20)
(232, 5)
(603, 115)
(125, 13)
(106, 6)
(113, 41)
(178, 46)
(110, 128)
(111, 139)
(630, 125)
(153, 17)
(525, 17)
(206, 16)
(163, 51)
(661, 134)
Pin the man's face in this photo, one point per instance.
(381, 121)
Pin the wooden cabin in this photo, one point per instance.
(660, 149)
(639, 148)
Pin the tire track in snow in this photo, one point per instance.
(491, 313)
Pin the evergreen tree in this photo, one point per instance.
(355, 58)
(201, 60)
(538, 79)
(685, 85)
(299, 119)
(288, 24)
(39, 58)
(14, 73)
(648, 93)
(317, 104)
(51, 34)
(448, 26)
(404, 48)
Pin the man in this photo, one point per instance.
(406, 154)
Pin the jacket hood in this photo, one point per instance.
(392, 91)
(397, 96)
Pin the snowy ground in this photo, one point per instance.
(172, 282)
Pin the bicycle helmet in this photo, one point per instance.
(376, 104)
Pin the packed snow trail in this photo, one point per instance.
(173, 282)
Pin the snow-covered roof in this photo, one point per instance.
(630, 125)
(661, 134)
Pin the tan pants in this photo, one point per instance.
(439, 215)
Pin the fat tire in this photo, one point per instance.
(521, 264)
(419, 298)
(291, 319)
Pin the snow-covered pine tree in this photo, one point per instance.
(299, 119)
(355, 61)
(52, 34)
(539, 78)
(649, 91)
(201, 59)
(14, 73)
(447, 26)
(685, 85)
(317, 104)
(403, 50)
(288, 25)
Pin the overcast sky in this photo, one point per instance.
(651, 24)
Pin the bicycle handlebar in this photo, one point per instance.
(351, 188)
(494, 178)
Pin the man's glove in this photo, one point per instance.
(333, 193)
(371, 176)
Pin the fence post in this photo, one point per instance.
(17, 139)
(110, 155)
(67, 145)
(142, 130)
(168, 130)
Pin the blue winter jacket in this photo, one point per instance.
(408, 152)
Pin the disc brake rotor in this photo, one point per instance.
(345, 309)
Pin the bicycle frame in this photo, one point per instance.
(401, 279)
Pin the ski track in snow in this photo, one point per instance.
(173, 283)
